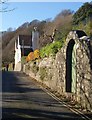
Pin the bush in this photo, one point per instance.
(87, 28)
(30, 56)
(23, 59)
(36, 54)
(51, 49)
(33, 55)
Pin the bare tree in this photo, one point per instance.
(10, 29)
(4, 6)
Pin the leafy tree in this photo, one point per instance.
(83, 14)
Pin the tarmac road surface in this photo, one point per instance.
(23, 99)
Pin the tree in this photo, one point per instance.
(9, 29)
(64, 13)
(83, 14)
(4, 6)
(63, 23)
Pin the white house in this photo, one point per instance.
(24, 44)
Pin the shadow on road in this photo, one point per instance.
(37, 114)
(16, 90)
(12, 84)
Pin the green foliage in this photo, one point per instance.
(51, 49)
(23, 59)
(82, 19)
(34, 68)
(58, 35)
(87, 28)
(83, 13)
(43, 73)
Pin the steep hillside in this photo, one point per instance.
(49, 30)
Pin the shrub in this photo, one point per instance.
(23, 59)
(51, 49)
(87, 28)
(30, 56)
(33, 55)
(36, 54)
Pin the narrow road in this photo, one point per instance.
(24, 99)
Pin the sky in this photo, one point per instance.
(28, 11)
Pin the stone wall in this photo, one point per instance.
(70, 72)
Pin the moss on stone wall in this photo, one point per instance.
(42, 73)
(34, 68)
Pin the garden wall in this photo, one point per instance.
(70, 71)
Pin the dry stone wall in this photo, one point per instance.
(70, 72)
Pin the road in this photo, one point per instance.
(22, 99)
